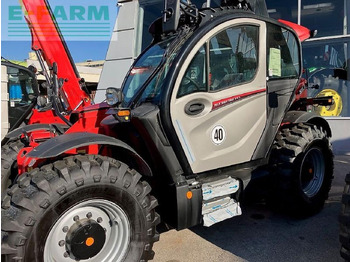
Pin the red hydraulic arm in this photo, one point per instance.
(47, 38)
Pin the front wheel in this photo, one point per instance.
(9, 154)
(79, 208)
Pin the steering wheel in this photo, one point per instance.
(193, 82)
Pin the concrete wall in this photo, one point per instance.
(122, 49)
(341, 134)
(4, 102)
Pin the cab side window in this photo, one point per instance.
(233, 57)
(228, 59)
(195, 78)
(20, 87)
(283, 53)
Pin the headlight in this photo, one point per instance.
(113, 96)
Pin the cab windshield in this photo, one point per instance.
(144, 68)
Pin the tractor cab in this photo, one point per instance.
(223, 69)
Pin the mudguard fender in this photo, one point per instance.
(60, 144)
(307, 117)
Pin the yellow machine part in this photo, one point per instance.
(332, 110)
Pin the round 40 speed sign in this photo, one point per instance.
(218, 134)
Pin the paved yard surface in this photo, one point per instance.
(262, 235)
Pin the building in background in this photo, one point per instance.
(92, 63)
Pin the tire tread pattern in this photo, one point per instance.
(9, 154)
(290, 144)
(37, 190)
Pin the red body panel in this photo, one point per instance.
(88, 120)
(44, 117)
(301, 91)
(47, 37)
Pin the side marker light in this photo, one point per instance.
(125, 113)
(189, 194)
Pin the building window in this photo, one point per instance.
(328, 74)
(324, 15)
(149, 12)
(286, 10)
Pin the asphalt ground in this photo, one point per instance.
(261, 234)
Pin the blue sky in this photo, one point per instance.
(78, 21)
(80, 50)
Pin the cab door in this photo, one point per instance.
(218, 106)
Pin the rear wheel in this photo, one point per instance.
(9, 154)
(82, 207)
(304, 169)
(344, 221)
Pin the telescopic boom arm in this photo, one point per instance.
(48, 42)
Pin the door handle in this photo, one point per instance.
(194, 108)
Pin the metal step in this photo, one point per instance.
(220, 210)
(218, 205)
(220, 188)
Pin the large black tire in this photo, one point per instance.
(344, 221)
(43, 200)
(303, 161)
(9, 154)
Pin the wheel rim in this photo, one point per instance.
(99, 212)
(312, 172)
(331, 110)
